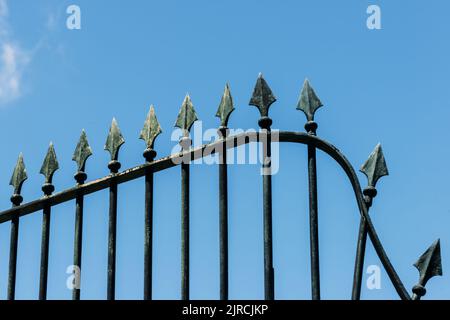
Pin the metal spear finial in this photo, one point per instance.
(429, 266)
(19, 175)
(309, 102)
(186, 116)
(50, 164)
(226, 107)
(82, 152)
(151, 128)
(262, 97)
(114, 141)
(375, 166)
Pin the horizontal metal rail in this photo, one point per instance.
(209, 149)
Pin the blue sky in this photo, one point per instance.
(385, 86)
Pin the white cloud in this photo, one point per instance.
(3, 8)
(12, 60)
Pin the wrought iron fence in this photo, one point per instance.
(429, 264)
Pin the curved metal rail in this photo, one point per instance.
(209, 149)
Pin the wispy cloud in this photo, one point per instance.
(12, 60)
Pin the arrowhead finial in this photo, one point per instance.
(309, 102)
(19, 175)
(186, 116)
(375, 167)
(429, 264)
(226, 107)
(50, 164)
(262, 96)
(82, 152)
(114, 140)
(151, 128)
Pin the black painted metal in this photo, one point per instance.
(80, 177)
(78, 240)
(13, 258)
(359, 261)
(196, 153)
(185, 120)
(374, 168)
(82, 152)
(185, 184)
(223, 217)
(150, 131)
(149, 155)
(49, 167)
(309, 103)
(112, 235)
(263, 98)
(226, 107)
(269, 285)
(113, 144)
(313, 221)
(185, 231)
(429, 264)
(44, 253)
(17, 180)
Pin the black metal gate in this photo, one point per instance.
(429, 264)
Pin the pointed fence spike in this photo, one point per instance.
(50, 164)
(82, 152)
(429, 264)
(262, 97)
(226, 106)
(151, 128)
(375, 166)
(19, 175)
(309, 102)
(186, 116)
(114, 141)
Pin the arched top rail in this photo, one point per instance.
(209, 149)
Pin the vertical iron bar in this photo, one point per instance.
(185, 231)
(48, 169)
(359, 263)
(268, 259)
(13, 255)
(16, 200)
(13, 258)
(78, 240)
(82, 152)
(80, 177)
(44, 252)
(113, 143)
(369, 193)
(185, 144)
(374, 168)
(148, 236)
(149, 155)
(17, 180)
(311, 128)
(112, 232)
(223, 218)
(269, 291)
